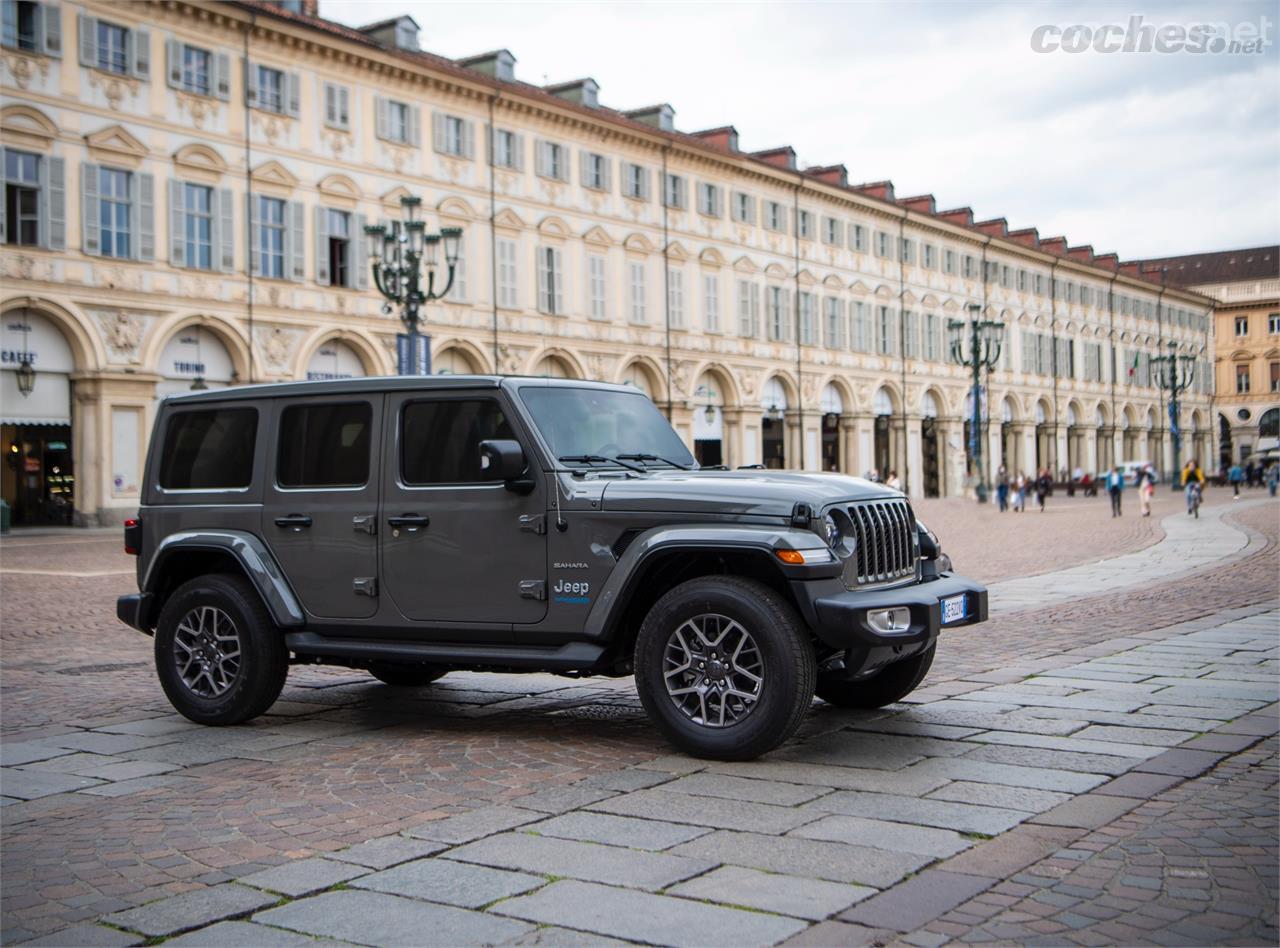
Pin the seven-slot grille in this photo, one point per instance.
(887, 545)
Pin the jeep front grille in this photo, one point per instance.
(887, 545)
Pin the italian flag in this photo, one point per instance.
(1133, 369)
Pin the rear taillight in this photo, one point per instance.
(132, 536)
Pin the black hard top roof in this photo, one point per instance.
(391, 383)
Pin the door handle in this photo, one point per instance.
(296, 521)
(410, 522)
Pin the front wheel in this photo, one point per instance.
(724, 667)
(884, 687)
(219, 657)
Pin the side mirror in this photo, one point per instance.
(501, 460)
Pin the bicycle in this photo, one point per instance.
(1194, 497)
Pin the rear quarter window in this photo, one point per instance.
(209, 450)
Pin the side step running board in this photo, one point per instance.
(574, 656)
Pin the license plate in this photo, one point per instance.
(954, 609)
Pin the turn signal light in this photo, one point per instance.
(791, 557)
(132, 536)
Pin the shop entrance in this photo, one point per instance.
(38, 478)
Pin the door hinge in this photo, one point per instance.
(533, 523)
(365, 523)
(365, 586)
(533, 589)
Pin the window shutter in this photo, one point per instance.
(584, 168)
(296, 234)
(226, 230)
(607, 171)
(344, 108)
(255, 253)
(488, 143)
(222, 76)
(4, 229)
(91, 236)
(51, 30)
(250, 84)
(177, 224)
(557, 285)
(145, 205)
(293, 94)
(322, 247)
(540, 159)
(517, 145)
(55, 210)
(360, 240)
(140, 47)
(645, 191)
(468, 139)
(380, 122)
(88, 40)
(438, 132)
(544, 281)
(9, 23)
(173, 63)
(415, 126)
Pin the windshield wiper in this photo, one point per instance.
(654, 457)
(599, 459)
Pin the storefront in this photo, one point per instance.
(38, 478)
(194, 359)
(335, 360)
(832, 406)
(773, 426)
(708, 424)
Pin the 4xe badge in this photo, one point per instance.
(573, 593)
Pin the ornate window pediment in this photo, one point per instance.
(339, 186)
(598, 237)
(272, 172)
(116, 143)
(199, 158)
(745, 265)
(554, 227)
(21, 124)
(638, 242)
(711, 257)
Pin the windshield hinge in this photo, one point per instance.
(533, 589)
(533, 523)
(801, 514)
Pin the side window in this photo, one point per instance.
(209, 450)
(439, 440)
(324, 445)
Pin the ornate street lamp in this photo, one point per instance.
(397, 256)
(26, 372)
(1174, 373)
(985, 340)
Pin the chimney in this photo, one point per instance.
(1109, 261)
(996, 227)
(399, 32)
(877, 189)
(724, 138)
(921, 203)
(499, 63)
(661, 117)
(784, 157)
(960, 215)
(1082, 253)
(831, 174)
(582, 91)
(1054, 245)
(1028, 237)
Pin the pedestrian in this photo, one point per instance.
(1146, 489)
(1020, 493)
(1250, 472)
(873, 476)
(1115, 488)
(1193, 483)
(892, 481)
(1002, 488)
(1235, 476)
(1044, 484)
(1273, 477)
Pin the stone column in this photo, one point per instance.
(865, 451)
(731, 445)
(810, 436)
(913, 476)
(849, 458)
(1090, 460)
(682, 421)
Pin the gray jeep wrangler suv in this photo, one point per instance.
(411, 526)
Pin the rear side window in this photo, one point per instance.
(324, 445)
(209, 450)
(440, 441)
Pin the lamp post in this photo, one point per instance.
(1174, 373)
(26, 372)
(397, 256)
(986, 337)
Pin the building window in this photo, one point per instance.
(858, 238)
(637, 293)
(808, 319)
(675, 298)
(744, 208)
(804, 225)
(21, 25)
(507, 296)
(708, 199)
(774, 218)
(553, 161)
(673, 192)
(1242, 379)
(113, 48)
(1275, 376)
(197, 202)
(1242, 326)
(595, 171)
(270, 89)
(113, 212)
(635, 182)
(21, 197)
(271, 230)
(969, 267)
(835, 329)
(882, 244)
(337, 106)
(861, 328)
(508, 149)
(885, 330)
(195, 70)
(550, 281)
(458, 292)
(778, 314)
(832, 231)
(451, 135)
(711, 302)
(910, 337)
(398, 122)
(930, 257)
(748, 309)
(931, 337)
(948, 261)
(596, 289)
(338, 246)
(907, 251)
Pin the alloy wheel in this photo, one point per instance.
(713, 670)
(206, 649)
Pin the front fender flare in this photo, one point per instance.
(252, 555)
(617, 590)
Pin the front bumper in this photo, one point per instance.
(134, 610)
(838, 616)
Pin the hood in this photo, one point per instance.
(762, 493)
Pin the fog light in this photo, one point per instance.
(889, 621)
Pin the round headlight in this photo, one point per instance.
(829, 530)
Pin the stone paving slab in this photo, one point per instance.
(1088, 811)
(476, 824)
(1053, 759)
(814, 858)
(387, 851)
(374, 918)
(911, 781)
(653, 919)
(881, 834)
(590, 862)
(244, 935)
(1011, 852)
(744, 789)
(303, 876)
(661, 804)
(188, 910)
(1181, 763)
(1072, 744)
(918, 901)
(988, 794)
(26, 784)
(86, 936)
(1009, 775)
(562, 799)
(964, 817)
(623, 831)
(449, 882)
(16, 753)
(769, 892)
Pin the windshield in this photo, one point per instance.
(588, 422)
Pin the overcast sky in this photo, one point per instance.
(1145, 154)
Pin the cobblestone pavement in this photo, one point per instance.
(1100, 770)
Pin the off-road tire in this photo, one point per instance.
(264, 659)
(407, 676)
(885, 687)
(786, 651)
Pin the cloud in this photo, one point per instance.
(1146, 154)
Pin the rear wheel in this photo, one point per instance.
(884, 687)
(407, 676)
(219, 657)
(724, 667)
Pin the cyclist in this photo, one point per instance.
(1193, 481)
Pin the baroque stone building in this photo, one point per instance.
(186, 187)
